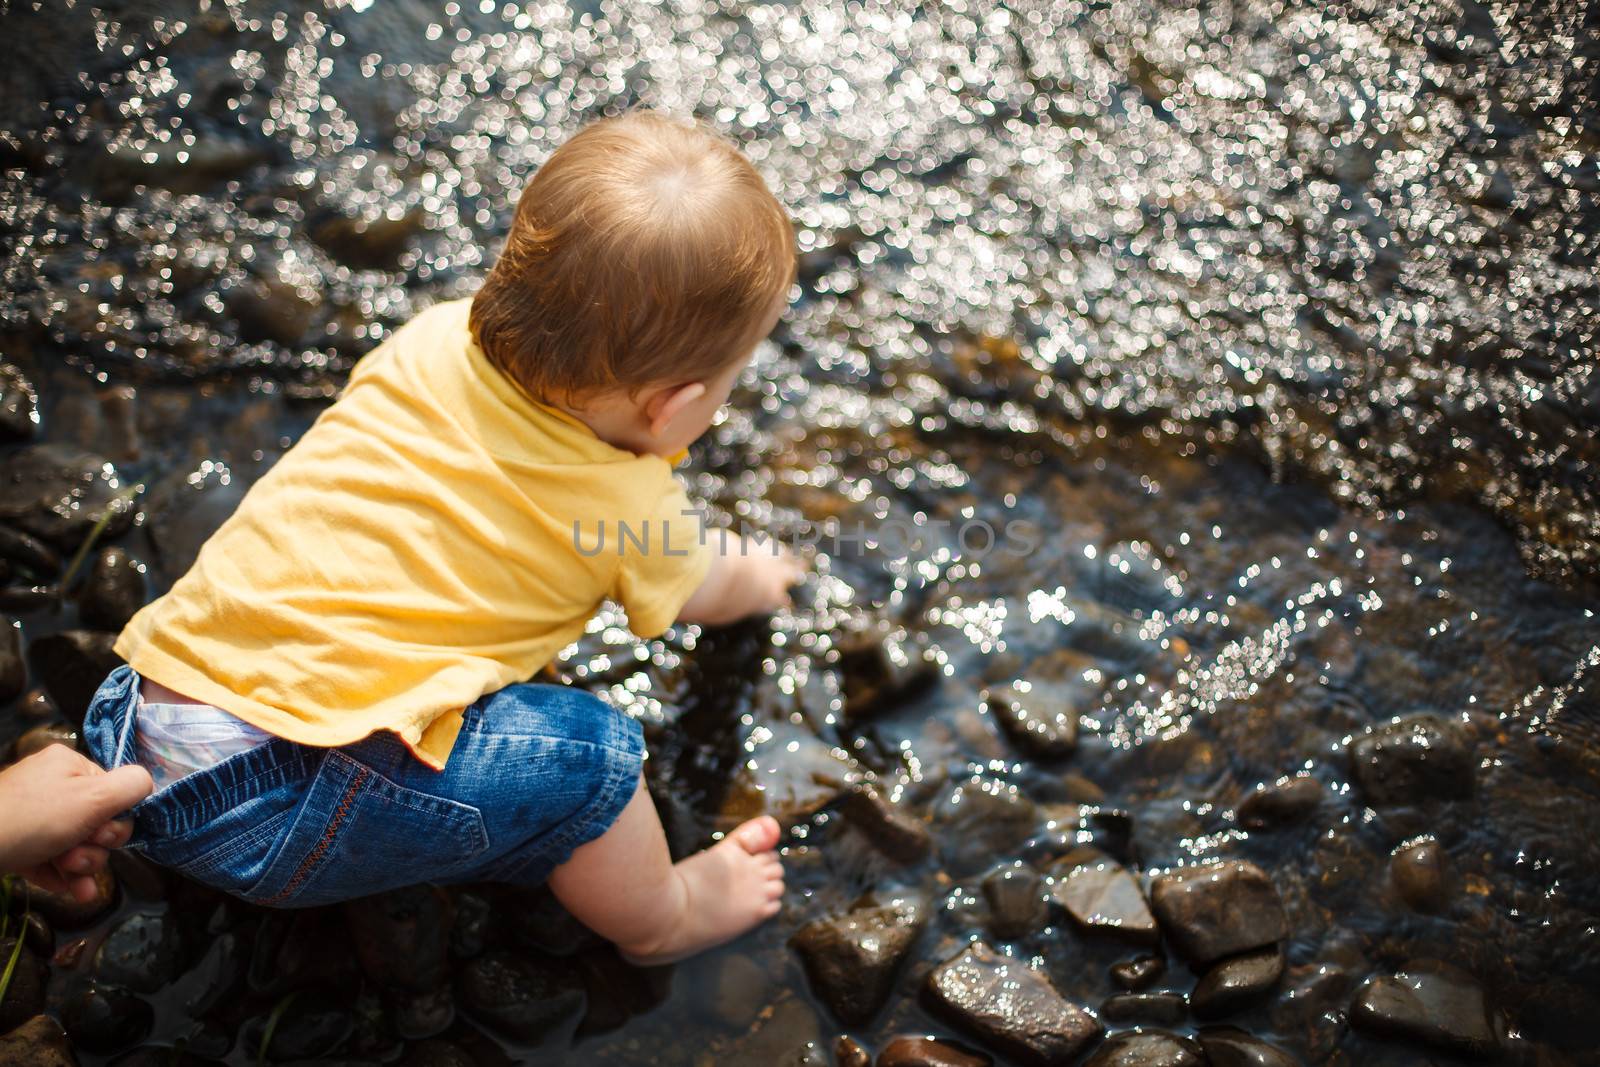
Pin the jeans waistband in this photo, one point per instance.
(190, 802)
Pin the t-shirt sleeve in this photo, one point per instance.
(660, 569)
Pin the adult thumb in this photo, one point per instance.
(115, 792)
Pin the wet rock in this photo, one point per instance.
(852, 959)
(36, 706)
(1413, 760)
(1147, 1048)
(119, 408)
(104, 1019)
(24, 997)
(142, 953)
(1220, 909)
(527, 997)
(270, 309)
(402, 937)
(474, 923)
(982, 820)
(1073, 826)
(437, 1053)
(28, 552)
(421, 1015)
(895, 832)
(113, 592)
(308, 1028)
(1420, 874)
(1226, 1046)
(789, 1037)
(41, 940)
(1141, 972)
(185, 508)
(742, 988)
(1041, 726)
(71, 665)
(13, 670)
(67, 912)
(1016, 902)
(40, 738)
(1011, 1006)
(789, 773)
(39, 1042)
(1104, 898)
(847, 1053)
(1289, 800)
(926, 1052)
(1167, 1008)
(370, 244)
(1432, 1004)
(59, 494)
(19, 405)
(1237, 982)
(877, 677)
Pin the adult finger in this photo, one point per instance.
(113, 834)
(46, 878)
(114, 792)
(84, 859)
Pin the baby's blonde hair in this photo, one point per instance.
(646, 250)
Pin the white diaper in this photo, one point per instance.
(175, 740)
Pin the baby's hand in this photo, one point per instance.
(770, 569)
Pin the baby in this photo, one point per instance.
(334, 700)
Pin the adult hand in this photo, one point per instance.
(57, 818)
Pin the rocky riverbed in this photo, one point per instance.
(1271, 738)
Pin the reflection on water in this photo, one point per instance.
(1277, 319)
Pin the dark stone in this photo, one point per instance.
(1288, 800)
(981, 820)
(40, 938)
(1141, 972)
(1008, 1004)
(105, 1019)
(437, 1053)
(1104, 898)
(141, 953)
(39, 738)
(875, 681)
(1074, 826)
(420, 1015)
(1421, 876)
(39, 1042)
(926, 1052)
(897, 834)
(1432, 1004)
(1016, 902)
(1237, 982)
(1147, 1048)
(36, 706)
(13, 670)
(369, 244)
(848, 1053)
(310, 1027)
(526, 997)
(24, 997)
(59, 494)
(852, 959)
(402, 937)
(71, 665)
(474, 924)
(29, 552)
(1226, 1046)
(539, 921)
(1042, 727)
(1220, 909)
(1168, 1008)
(1413, 760)
(113, 592)
(270, 309)
(65, 911)
(19, 405)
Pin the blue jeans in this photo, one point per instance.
(536, 771)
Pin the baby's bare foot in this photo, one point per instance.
(727, 889)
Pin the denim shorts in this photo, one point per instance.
(536, 771)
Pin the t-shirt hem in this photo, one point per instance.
(150, 662)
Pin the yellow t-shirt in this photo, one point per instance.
(436, 535)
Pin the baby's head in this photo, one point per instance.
(646, 260)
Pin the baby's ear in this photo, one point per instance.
(666, 404)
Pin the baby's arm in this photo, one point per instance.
(746, 578)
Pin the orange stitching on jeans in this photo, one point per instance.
(304, 870)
